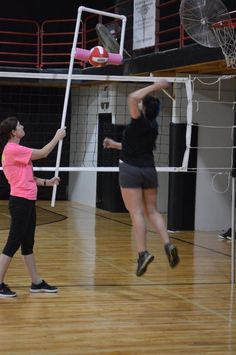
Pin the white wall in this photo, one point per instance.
(83, 148)
(213, 206)
(82, 187)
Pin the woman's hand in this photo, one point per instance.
(162, 84)
(53, 181)
(109, 143)
(61, 133)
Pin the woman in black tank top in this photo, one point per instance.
(138, 177)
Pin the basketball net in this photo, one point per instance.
(226, 37)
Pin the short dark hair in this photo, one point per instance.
(152, 107)
(6, 127)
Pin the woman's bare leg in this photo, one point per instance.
(31, 267)
(150, 198)
(4, 264)
(133, 200)
(156, 219)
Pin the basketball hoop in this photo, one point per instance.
(225, 32)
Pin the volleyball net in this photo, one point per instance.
(97, 107)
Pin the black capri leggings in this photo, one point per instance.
(22, 228)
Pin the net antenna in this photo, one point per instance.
(209, 23)
(74, 53)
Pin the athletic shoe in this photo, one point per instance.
(144, 259)
(5, 291)
(226, 235)
(172, 254)
(43, 287)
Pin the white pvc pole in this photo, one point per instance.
(108, 14)
(122, 36)
(103, 13)
(104, 169)
(68, 85)
(93, 77)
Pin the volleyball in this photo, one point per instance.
(98, 56)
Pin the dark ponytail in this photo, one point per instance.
(6, 127)
(151, 106)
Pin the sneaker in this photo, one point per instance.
(5, 291)
(43, 287)
(144, 259)
(172, 254)
(226, 235)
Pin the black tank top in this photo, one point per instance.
(138, 142)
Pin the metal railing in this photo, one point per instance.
(56, 39)
(25, 43)
(19, 43)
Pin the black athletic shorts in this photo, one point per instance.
(134, 177)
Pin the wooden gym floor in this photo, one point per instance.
(101, 306)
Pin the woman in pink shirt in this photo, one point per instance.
(18, 169)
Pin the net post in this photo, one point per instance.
(233, 232)
(188, 86)
(233, 174)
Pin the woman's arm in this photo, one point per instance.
(111, 144)
(46, 150)
(135, 97)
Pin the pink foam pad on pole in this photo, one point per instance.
(114, 58)
(82, 54)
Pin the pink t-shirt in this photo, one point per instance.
(18, 169)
